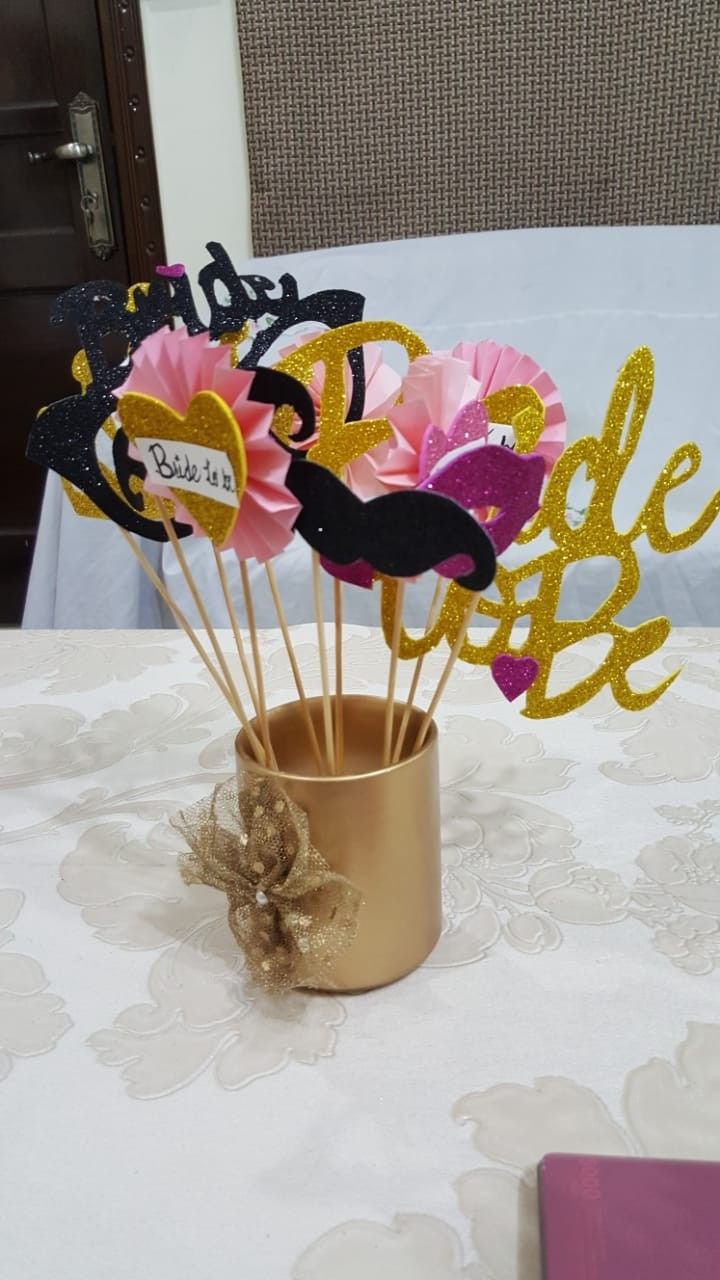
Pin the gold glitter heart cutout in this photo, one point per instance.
(208, 423)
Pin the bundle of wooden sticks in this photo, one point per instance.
(251, 708)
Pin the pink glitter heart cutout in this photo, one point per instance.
(173, 271)
(470, 423)
(512, 675)
(434, 447)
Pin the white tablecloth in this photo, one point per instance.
(161, 1118)
(579, 300)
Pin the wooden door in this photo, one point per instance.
(50, 51)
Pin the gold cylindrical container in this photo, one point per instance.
(379, 827)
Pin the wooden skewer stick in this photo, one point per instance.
(292, 659)
(183, 623)
(322, 654)
(197, 600)
(339, 717)
(447, 671)
(392, 673)
(440, 585)
(236, 631)
(257, 664)
(177, 612)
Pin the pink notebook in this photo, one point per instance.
(617, 1218)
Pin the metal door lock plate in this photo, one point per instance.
(94, 202)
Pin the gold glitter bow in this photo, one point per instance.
(290, 913)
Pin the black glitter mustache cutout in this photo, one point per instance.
(398, 534)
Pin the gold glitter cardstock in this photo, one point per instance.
(339, 443)
(520, 408)
(605, 459)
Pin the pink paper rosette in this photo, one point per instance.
(441, 410)
(495, 366)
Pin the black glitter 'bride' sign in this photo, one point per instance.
(64, 437)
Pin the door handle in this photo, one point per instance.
(85, 150)
(66, 151)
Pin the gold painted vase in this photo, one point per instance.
(379, 827)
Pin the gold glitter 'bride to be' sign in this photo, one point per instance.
(605, 459)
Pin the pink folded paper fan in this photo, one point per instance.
(172, 367)
(433, 416)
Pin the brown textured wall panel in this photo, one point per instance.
(377, 120)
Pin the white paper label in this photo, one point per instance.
(499, 434)
(194, 467)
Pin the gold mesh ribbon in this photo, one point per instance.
(291, 914)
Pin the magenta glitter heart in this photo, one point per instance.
(172, 271)
(513, 675)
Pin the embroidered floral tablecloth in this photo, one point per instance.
(160, 1117)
